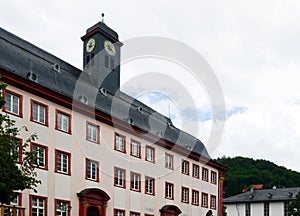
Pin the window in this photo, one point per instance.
(184, 195)
(41, 155)
(62, 162)
(62, 207)
(134, 213)
(150, 154)
(120, 143)
(195, 171)
(185, 167)
(92, 132)
(204, 174)
(247, 209)
(169, 161)
(213, 177)
(63, 121)
(135, 149)
(169, 191)
(285, 210)
(39, 113)
(16, 201)
(109, 62)
(266, 208)
(213, 202)
(135, 181)
(38, 206)
(149, 185)
(13, 103)
(195, 197)
(92, 170)
(204, 200)
(120, 175)
(118, 212)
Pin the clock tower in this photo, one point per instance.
(101, 57)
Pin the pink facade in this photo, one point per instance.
(91, 164)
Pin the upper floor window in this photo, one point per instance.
(213, 177)
(266, 208)
(13, 103)
(204, 200)
(92, 132)
(119, 212)
(62, 162)
(135, 148)
(247, 209)
(92, 170)
(169, 190)
(134, 213)
(135, 181)
(204, 174)
(41, 155)
(169, 161)
(120, 144)
(195, 171)
(120, 175)
(39, 113)
(213, 202)
(184, 195)
(185, 167)
(38, 206)
(150, 154)
(63, 121)
(195, 197)
(62, 207)
(149, 185)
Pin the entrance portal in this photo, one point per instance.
(92, 202)
(170, 210)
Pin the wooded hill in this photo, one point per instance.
(243, 172)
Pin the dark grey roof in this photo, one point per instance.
(25, 60)
(278, 194)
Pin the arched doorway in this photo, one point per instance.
(92, 202)
(169, 210)
(92, 211)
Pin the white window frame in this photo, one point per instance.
(92, 131)
(135, 181)
(204, 200)
(62, 160)
(185, 167)
(184, 195)
(120, 177)
(169, 161)
(63, 122)
(39, 207)
(135, 148)
(149, 185)
(169, 190)
(13, 103)
(195, 197)
(40, 156)
(92, 170)
(39, 113)
(120, 144)
(150, 154)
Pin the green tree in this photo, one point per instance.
(15, 173)
(294, 206)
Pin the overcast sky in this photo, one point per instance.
(252, 46)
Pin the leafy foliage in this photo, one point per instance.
(294, 206)
(243, 172)
(15, 173)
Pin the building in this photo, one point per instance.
(263, 202)
(100, 151)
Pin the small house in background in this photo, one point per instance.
(263, 202)
(253, 187)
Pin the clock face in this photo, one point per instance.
(90, 45)
(109, 48)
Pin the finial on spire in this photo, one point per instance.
(102, 17)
